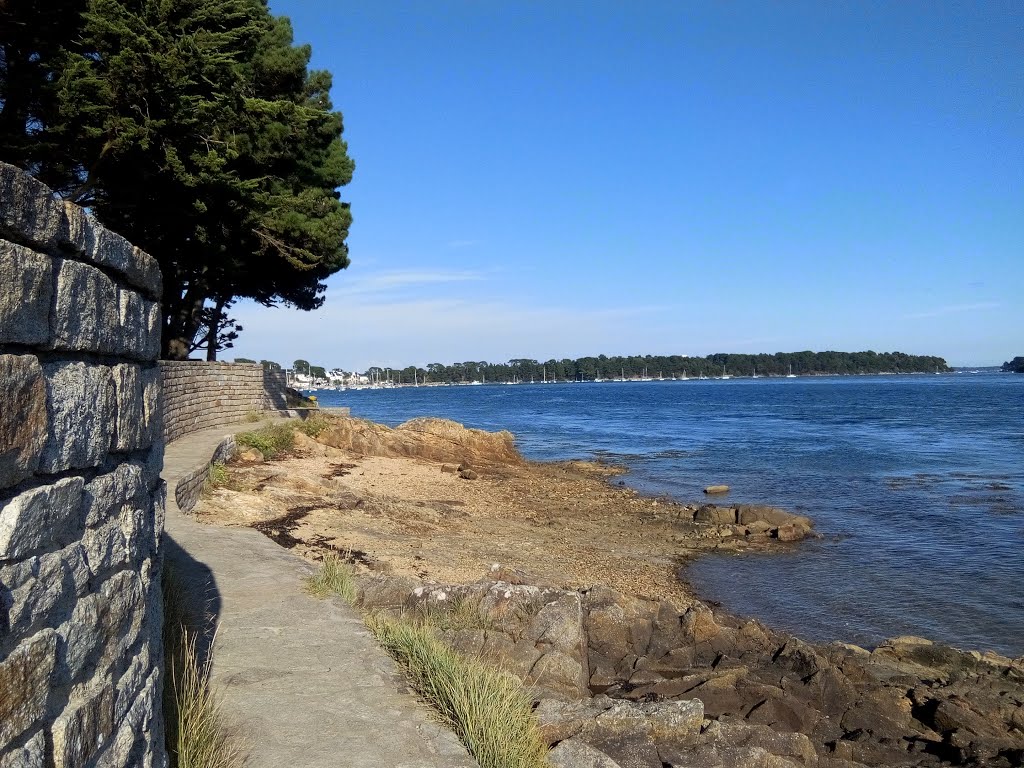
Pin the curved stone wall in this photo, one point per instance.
(81, 500)
(198, 395)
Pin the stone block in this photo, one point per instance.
(24, 421)
(130, 684)
(106, 494)
(26, 290)
(139, 732)
(25, 684)
(30, 755)
(135, 406)
(105, 547)
(104, 626)
(131, 318)
(86, 310)
(154, 327)
(81, 729)
(39, 518)
(82, 637)
(43, 589)
(30, 212)
(90, 241)
(80, 404)
(126, 596)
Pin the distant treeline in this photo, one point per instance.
(655, 366)
(1014, 366)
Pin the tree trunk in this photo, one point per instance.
(213, 331)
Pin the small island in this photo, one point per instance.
(1014, 366)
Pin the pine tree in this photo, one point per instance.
(195, 129)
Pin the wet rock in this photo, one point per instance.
(791, 532)
(713, 489)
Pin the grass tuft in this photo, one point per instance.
(453, 615)
(334, 577)
(196, 735)
(313, 425)
(272, 440)
(217, 476)
(489, 709)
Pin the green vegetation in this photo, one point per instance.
(195, 731)
(333, 577)
(271, 440)
(1014, 366)
(313, 425)
(455, 615)
(667, 366)
(217, 476)
(488, 709)
(195, 129)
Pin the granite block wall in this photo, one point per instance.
(198, 394)
(81, 499)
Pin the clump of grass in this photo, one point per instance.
(487, 708)
(334, 577)
(201, 740)
(253, 416)
(195, 731)
(453, 615)
(271, 440)
(217, 476)
(313, 425)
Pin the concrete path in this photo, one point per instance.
(301, 677)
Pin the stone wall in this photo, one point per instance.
(197, 394)
(81, 500)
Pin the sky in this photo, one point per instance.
(562, 179)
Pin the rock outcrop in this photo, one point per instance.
(433, 439)
(624, 681)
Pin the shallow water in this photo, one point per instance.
(915, 482)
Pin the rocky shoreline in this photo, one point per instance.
(630, 672)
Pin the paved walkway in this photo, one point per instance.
(301, 677)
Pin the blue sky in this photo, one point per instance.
(559, 179)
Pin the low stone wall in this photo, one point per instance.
(197, 394)
(81, 500)
(189, 488)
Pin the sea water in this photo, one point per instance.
(915, 483)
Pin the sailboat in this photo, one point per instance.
(755, 373)
(724, 374)
(790, 375)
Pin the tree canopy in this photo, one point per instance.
(1014, 366)
(667, 366)
(194, 128)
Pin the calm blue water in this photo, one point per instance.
(916, 482)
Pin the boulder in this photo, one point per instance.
(791, 532)
(713, 489)
(573, 753)
(468, 474)
(711, 514)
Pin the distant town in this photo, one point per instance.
(307, 376)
